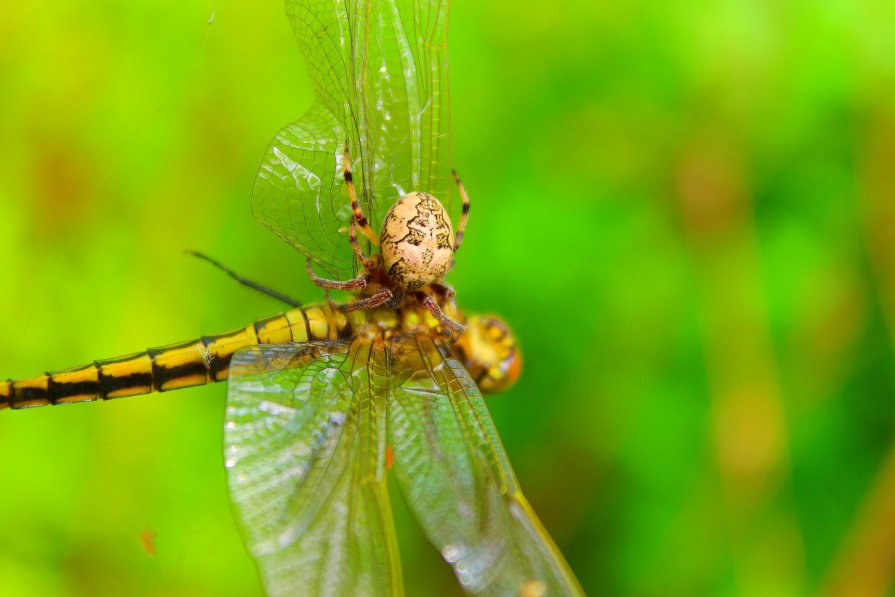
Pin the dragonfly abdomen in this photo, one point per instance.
(171, 367)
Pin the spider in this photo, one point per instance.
(416, 250)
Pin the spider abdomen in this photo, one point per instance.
(417, 241)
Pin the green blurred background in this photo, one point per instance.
(686, 210)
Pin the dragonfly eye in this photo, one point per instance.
(490, 354)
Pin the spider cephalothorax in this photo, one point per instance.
(417, 247)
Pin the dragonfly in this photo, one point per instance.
(324, 402)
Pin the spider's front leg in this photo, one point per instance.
(367, 262)
(355, 205)
(358, 282)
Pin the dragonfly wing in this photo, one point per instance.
(297, 191)
(380, 75)
(458, 481)
(304, 448)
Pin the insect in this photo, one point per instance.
(323, 401)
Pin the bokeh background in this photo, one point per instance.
(686, 211)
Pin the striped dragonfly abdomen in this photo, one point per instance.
(172, 367)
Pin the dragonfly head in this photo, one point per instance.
(489, 352)
(417, 241)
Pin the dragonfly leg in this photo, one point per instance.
(245, 281)
(371, 302)
(464, 214)
(429, 303)
(355, 206)
(358, 282)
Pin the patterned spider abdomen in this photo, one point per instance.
(417, 241)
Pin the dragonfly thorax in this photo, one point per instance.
(410, 318)
(417, 241)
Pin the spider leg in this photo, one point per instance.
(352, 236)
(464, 214)
(429, 303)
(358, 282)
(444, 290)
(355, 206)
(371, 302)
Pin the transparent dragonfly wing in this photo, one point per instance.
(380, 75)
(304, 447)
(458, 481)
